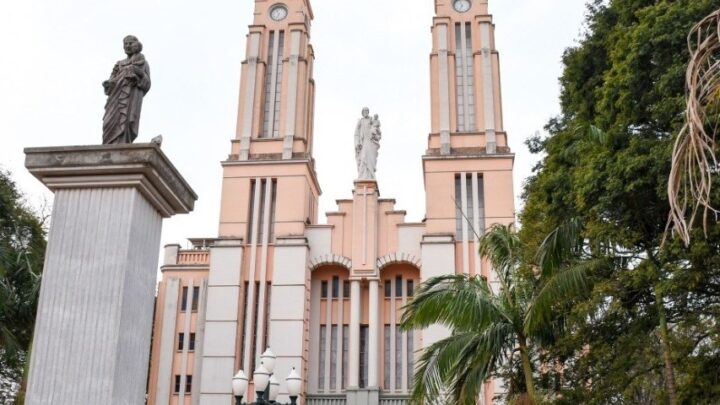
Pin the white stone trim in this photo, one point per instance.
(488, 88)
(249, 102)
(398, 258)
(444, 90)
(330, 260)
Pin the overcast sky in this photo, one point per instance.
(56, 53)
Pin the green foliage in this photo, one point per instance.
(494, 330)
(22, 250)
(606, 165)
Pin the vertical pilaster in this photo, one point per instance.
(221, 321)
(488, 82)
(291, 106)
(248, 98)
(262, 301)
(288, 310)
(444, 88)
(250, 292)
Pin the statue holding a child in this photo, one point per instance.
(128, 84)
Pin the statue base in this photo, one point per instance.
(94, 321)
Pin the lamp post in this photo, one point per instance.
(267, 387)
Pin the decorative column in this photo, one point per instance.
(374, 335)
(94, 320)
(354, 351)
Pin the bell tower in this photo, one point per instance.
(468, 166)
(269, 196)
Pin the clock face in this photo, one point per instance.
(278, 12)
(461, 6)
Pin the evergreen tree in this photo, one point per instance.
(22, 250)
(648, 331)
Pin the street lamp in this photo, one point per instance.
(267, 386)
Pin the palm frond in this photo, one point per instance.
(568, 284)
(460, 302)
(563, 243)
(694, 159)
(454, 369)
(502, 246)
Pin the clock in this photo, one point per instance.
(461, 6)
(278, 12)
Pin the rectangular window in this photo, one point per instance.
(398, 287)
(195, 298)
(335, 287)
(398, 357)
(346, 289)
(324, 289)
(273, 85)
(464, 78)
(191, 343)
(363, 356)
(386, 357)
(177, 384)
(188, 383)
(388, 289)
(410, 288)
(321, 360)
(183, 304)
(181, 341)
(333, 356)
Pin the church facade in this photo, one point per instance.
(327, 297)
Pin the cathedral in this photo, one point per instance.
(326, 296)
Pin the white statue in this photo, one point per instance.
(367, 144)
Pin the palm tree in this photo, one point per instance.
(490, 323)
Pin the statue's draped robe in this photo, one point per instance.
(368, 149)
(129, 82)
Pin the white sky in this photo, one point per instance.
(55, 54)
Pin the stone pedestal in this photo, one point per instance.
(94, 321)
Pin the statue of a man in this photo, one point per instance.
(367, 144)
(128, 84)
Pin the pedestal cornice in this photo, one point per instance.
(141, 166)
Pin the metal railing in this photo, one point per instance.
(394, 399)
(339, 399)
